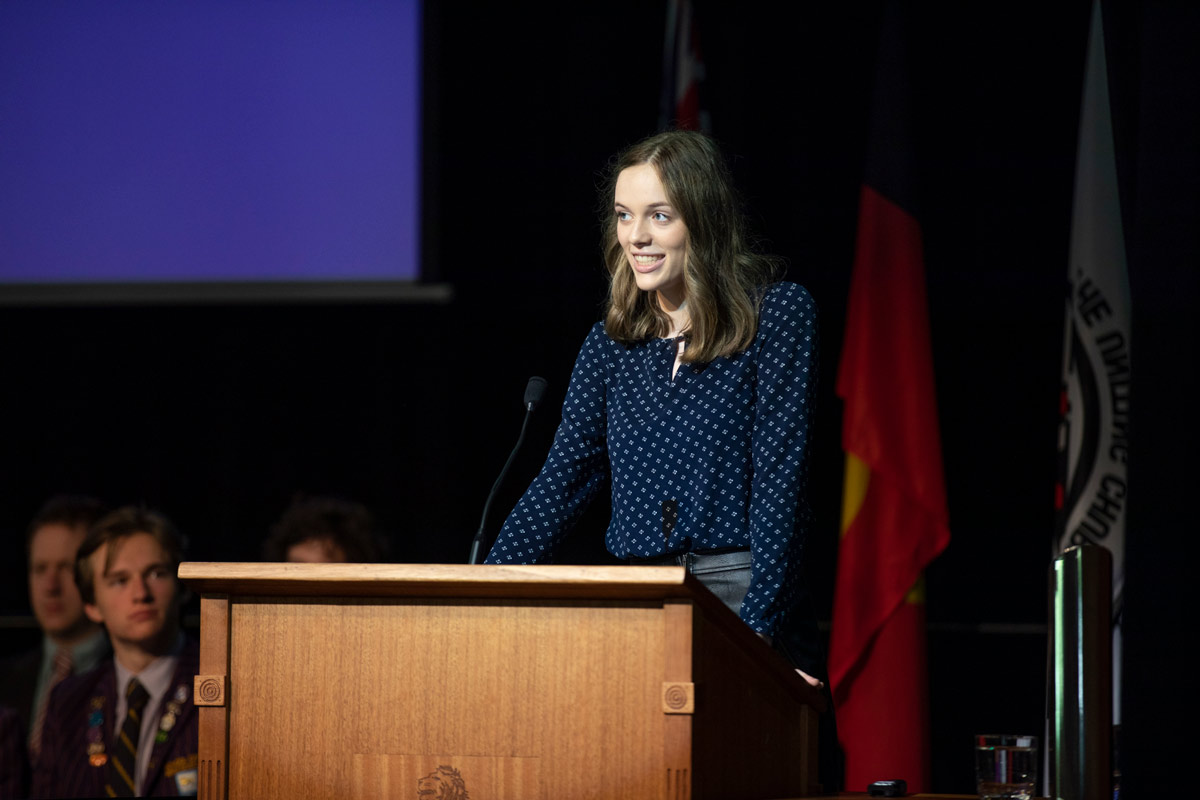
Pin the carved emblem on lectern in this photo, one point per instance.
(444, 783)
(209, 690)
(678, 697)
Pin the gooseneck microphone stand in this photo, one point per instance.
(533, 395)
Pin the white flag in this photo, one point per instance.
(1094, 431)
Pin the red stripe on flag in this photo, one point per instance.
(887, 707)
(879, 552)
(687, 110)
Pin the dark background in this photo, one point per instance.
(219, 415)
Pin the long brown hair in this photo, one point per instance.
(722, 277)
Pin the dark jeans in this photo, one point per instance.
(727, 575)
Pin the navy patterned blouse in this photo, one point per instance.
(711, 459)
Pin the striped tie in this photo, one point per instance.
(62, 668)
(120, 781)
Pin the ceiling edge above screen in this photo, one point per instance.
(211, 152)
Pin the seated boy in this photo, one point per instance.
(129, 727)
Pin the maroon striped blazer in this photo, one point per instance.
(81, 711)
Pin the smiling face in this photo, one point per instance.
(56, 602)
(652, 234)
(136, 594)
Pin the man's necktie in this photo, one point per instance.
(62, 668)
(120, 780)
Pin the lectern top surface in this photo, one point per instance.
(436, 580)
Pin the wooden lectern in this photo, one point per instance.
(556, 682)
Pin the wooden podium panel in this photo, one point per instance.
(373, 681)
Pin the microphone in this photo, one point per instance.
(533, 395)
(533, 392)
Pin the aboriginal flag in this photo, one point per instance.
(894, 518)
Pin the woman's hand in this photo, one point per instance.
(813, 682)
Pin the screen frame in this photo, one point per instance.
(427, 287)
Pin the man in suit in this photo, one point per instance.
(71, 643)
(129, 727)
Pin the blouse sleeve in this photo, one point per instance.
(575, 469)
(779, 515)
